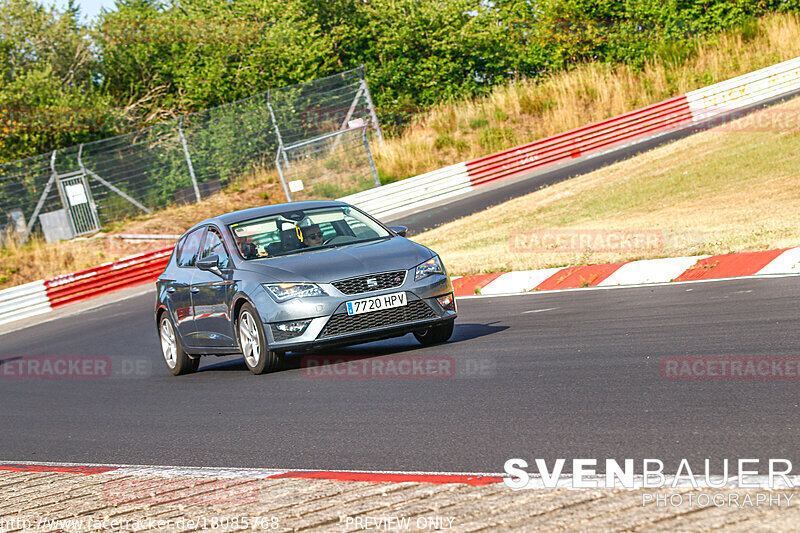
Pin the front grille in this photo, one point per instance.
(373, 282)
(344, 323)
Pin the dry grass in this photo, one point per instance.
(731, 189)
(516, 114)
(39, 260)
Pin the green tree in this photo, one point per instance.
(203, 53)
(49, 95)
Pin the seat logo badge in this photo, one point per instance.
(372, 282)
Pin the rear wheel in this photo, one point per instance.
(178, 361)
(435, 334)
(257, 356)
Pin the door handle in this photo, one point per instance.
(171, 289)
(194, 290)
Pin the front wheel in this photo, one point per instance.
(178, 361)
(257, 356)
(435, 334)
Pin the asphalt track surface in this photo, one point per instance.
(571, 374)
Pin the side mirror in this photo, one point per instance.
(400, 230)
(209, 264)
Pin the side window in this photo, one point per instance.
(213, 245)
(187, 256)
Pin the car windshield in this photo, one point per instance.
(299, 231)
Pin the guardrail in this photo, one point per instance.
(108, 277)
(23, 301)
(43, 296)
(447, 184)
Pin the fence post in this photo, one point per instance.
(372, 113)
(42, 199)
(280, 171)
(275, 125)
(188, 159)
(369, 156)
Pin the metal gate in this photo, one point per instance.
(77, 198)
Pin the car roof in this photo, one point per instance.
(266, 210)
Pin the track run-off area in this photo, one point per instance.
(573, 374)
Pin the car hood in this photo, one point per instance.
(331, 264)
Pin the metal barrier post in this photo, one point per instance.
(188, 159)
(42, 198)
(275, 125)
(369, 156)
(372, 113)
(280, 171)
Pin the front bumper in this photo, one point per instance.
(338, 328)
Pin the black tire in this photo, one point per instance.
(177, 360)
(253, 343)
(435, 334)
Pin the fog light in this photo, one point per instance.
(297, 326)
(282, 331)
(447, 302)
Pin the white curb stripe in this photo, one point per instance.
(651, 271)
(786, 263)
(521, 281)
(184, 471)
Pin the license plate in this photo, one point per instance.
(376, 303)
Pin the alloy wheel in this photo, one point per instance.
(169, 346)
(248, 337)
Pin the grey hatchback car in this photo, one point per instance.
(296, 277)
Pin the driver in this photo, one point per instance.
(312, 236)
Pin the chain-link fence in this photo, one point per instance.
(76, 190)
(328, 166)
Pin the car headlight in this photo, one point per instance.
(286, 291)
(428, 268)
